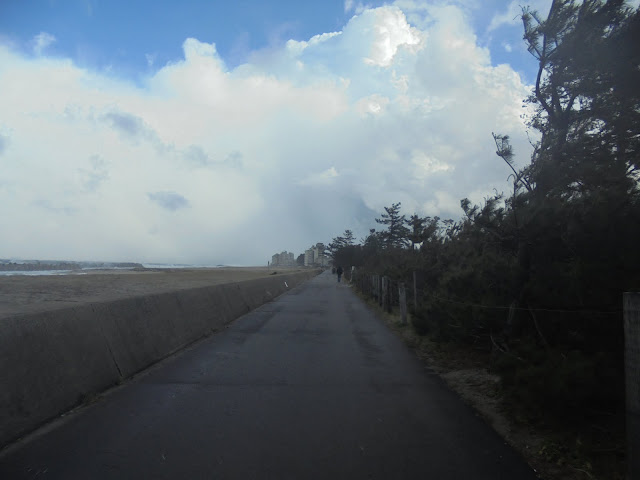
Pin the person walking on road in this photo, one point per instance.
(339, 272)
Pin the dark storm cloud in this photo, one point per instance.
(168, 200)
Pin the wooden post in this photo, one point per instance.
(373, 286)
(383, 297)
(402, 295)
(632, 381)
(415, 292)
(385, 292)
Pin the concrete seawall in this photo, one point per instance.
(51, 361)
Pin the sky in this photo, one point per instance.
(208, 132)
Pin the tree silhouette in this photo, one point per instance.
(396, 235)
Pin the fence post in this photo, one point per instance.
(415, 292)
(374, 287)
(632, 381)
(380, 289)
(402, 295)
(385, 292)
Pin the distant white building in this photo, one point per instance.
(283, 259)
(308, 257)
(323, 260)
(315, 257)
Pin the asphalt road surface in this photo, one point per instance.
(309, 386)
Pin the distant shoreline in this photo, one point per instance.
(16, 267)
(28, 293)
(45, 266)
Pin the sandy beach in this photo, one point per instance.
(22, 294)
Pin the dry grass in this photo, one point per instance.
(32, 294)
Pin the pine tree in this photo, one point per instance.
(348, 237)
(416, 225)
(396, 235)
(587, 96)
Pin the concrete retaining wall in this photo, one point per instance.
(50, 362)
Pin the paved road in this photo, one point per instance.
(310, 386)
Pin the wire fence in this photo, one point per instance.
(387, 291)
(390, 293)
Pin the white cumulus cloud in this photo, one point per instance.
(42, 41)
(200, 163)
